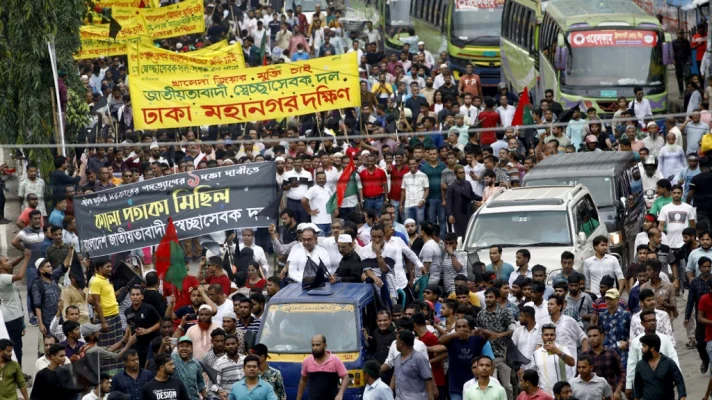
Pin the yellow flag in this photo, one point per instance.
(180, 19)
(252, 94)
(96, 41)
(145, 59)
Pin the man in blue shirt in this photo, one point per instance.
(501, 268)
(251, 386)
(57, 215)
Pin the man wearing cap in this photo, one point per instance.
(269, 374)
(303, 253)
(427, 58)
(90, 333)
(615, 322)
(200, 332)
(143, 320)
(350, 268)
(188, 369)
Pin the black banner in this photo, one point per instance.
(202, 201)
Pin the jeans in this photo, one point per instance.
(300, 214)
(375, 203)
(455, 396)
(325, 229)
(679, 75)
(14, 331)
(399, 215)
(504, 374)
(416, 213)
(703, 348)
(32, 276)
(436, 214)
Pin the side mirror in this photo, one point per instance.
(560, 40)
(581, 238)
(623, 202)
(668, 57)
(561, 58)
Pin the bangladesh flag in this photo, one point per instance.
(523, 113)
(170, 262)
(345, 187)
(263, 50)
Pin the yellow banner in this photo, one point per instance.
(180, 19)
(255, 94)
(96, 41)
(153, 60)
(209, 49)
(121, 3)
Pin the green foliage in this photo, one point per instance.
(26, 72)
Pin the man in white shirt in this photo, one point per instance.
(414, 192)
(332, 174)
(101, 390)
(654, 142)
(649, 321)
(568, 332)
(671, 158)
(314, 203)
(505, 111)
(404, 324)
(378, 259)
(601, 264)
(43, 362)
(373, 35)
(641, 107)
(527, 334)
(675, 217)
(356, 47)
(552, 362)
(301, 253)
(248, 237)
(296, 183)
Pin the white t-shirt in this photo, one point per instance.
(10, 303)
(332, 176)
(318, 197)
(431, 253)
(478, 187)
(305, 179)
(676, 218)
(298, 260)
(223, 309)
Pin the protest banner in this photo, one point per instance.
(254, 94)
(121, 3)
(204, 201)
(96, 41)
(149, 59)
(180, 19)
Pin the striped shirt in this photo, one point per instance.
(253, 326)
(229, 371)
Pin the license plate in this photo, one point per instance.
(609, 93)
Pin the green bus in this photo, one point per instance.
(472, 32)
(590, 51)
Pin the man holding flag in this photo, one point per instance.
(346, 186)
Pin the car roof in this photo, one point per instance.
(357, 294)
(597, 163)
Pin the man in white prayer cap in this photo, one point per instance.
(350, 268)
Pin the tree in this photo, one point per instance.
(26, 72)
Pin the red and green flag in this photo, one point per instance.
(523, 113)
(263, 52)
(170, 262)
(345, 187)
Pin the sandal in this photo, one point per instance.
(691, 344)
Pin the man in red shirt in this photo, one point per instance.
(396, 172)
(489, 118)
(699, 43)
(436, 359)
(182, 296)
(217, 275)
(375, 185)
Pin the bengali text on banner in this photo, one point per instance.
(149, 59)
(96, 41)
(201, 202)
(254, 94)
(121, 3)
(180, 19)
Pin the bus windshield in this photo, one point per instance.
(398, 12)
(476, 22)
(638, 55)
(287, 328)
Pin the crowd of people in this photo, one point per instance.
(428, 150)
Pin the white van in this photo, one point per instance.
(546, 220)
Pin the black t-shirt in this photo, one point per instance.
(154, 298)
(145, 317)
(46, 386)
(172, 389)
(350, 268)
(702, 184)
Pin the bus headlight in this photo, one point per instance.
(615, 238)
(357, 379)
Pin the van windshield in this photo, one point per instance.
(520, 229)
(599, 186)
(288, 328)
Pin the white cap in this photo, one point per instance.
(409, 221)
(421, 43)
(302, 226)
(443, 66)
(338, 155)
(179, 46)
(278, 159)
(232, 42)
(313, 226)
(345, 239)
(651, 123)
(365, 153)
(154, 145)
(39, 262)
(205, 307)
